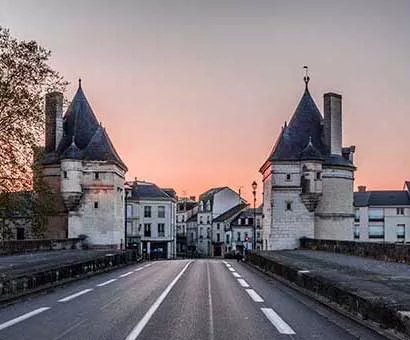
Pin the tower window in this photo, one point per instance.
(289, 206)
(65, 174)
(96, 205)
(97, 175)
(288, 177)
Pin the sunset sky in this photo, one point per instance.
(193, 93)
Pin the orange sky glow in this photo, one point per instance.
(193, 93)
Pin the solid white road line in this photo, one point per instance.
(231, 269)
(70, 297)
(106, 283)
(138, 269)
(236, 274)
(243, 283)
(211, 312)
(143, 322)
(277, 321)
(255, 296)
(147, 265)
(126, 274)
(23, 317)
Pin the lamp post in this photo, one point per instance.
(254, 186)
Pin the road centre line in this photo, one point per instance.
(243, 283)
(255, 296)
(70, 297)
(106, 283)
(143, 322)
(236, 274)
(23, 317)
(231, 269)
(277, 321)
(126, 274)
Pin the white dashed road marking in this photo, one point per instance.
(236, 274)
(126, 274)
(243, 283)
(70, 297)
(277, 321)
(106, 283)
(231, 269)
(255, 296)
(22, 317)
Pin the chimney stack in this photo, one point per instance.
(361, 188)
(54, 120)
(333, 122)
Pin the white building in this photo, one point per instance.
(151, 217)
(382, 215)
(308, 178)
(186, 208)
(213, 203)
(82, 166)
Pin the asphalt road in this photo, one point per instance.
(199, 299)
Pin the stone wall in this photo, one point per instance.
(394, 252)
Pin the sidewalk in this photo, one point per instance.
(373, 289)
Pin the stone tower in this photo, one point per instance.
(308, 178)
(81, 164)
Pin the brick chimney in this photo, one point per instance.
(54, 120)
(333, 122)
(361, 188)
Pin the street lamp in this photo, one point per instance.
(254, 186)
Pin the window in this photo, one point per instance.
(258, 235)
(239, 221)
(246, 237)
(258, 222)
(357, 215)
(250, 221)
(318, 175)
(96, 175)
(217, 226)
(201, 206)
(183, 218)
(400, 211)
(147, 211)
(20, 233)
(376, 214)
(200, 219)
(65, 174)
(227, 238)
(289, 205)
(129, 228)
(161, 211)
(208, 220)
(208, 205)
(401, 233)
(147, 229)
(238, 236)
(96, 205)
(356, 231)
(288, 177)
(129, 210)
(218, 237)
(161, 229)
(376, 231)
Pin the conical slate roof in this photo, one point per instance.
(100, 148)
(79, 121)
(310, 152)
(306, 122)
(83, 137)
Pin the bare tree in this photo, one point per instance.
(25, 77)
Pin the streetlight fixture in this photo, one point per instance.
(254, 186)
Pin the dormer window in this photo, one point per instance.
(288, 177)
(208, 205)
(201, 206)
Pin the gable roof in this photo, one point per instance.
(381, 198)
(230, 213)
(146, 190)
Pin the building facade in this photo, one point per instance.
(82, 166)
(382, 216)
(308, 178)
(186, 208)
(151, 219)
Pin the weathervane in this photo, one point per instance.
(306, 78)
